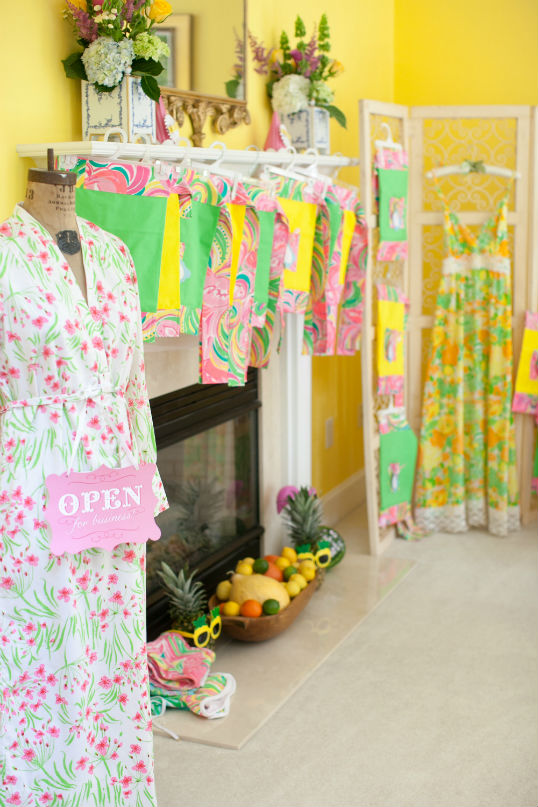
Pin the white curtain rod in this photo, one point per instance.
(146, 152)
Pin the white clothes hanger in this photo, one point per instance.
(473, 167)
(388, 143)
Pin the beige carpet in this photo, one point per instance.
(430, 702)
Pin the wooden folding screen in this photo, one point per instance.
(498, 135)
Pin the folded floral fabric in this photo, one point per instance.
(352, 303)
(172, 662)
(212, 700)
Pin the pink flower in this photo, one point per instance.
(112, 579)
(70, 328)
(126, 781)
(135, 749)
(117, 598)
(14, 799)
(97, 342)
(7, 583)
(46, 798)
(94, 422)
(28, 754)
(102, 746)
(54, 731)
(105, 682)
(129, 555)
(140, 767)
(64, 594)
(47, 351)
(39, 322)
(123, 699)
(33, 560)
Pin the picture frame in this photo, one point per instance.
(176, 31)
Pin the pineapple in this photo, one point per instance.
(187, 598)
(302, 517)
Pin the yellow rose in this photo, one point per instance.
(159, 10)
(277, 56)
(336, 67)
(79, 4)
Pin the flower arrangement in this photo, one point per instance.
(297, 76)
(117, 40)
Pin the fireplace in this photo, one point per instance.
(207, 453)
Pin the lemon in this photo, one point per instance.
(289, 553)
(243, 568)
(223, 590)
(282, 563)
(308, 570)
(293, 588)
(299, 579)
(250, 561)
(230, 608)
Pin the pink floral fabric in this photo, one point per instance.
(352, 301)
(75, 724)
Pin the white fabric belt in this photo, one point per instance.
(93, 392)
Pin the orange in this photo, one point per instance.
(274, 572)
(251, 608)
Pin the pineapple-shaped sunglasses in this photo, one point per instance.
(206, 627)
(321, 557)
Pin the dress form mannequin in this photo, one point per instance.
(50, 198)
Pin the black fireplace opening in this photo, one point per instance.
(207, 455)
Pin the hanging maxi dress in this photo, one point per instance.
(466, 466)
(75, 724)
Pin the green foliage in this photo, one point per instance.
(187, 598)
(74, 67)
(302, 517)
(150, 87)
(337, 114)
(300, 28)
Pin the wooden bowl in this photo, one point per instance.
(258, 629)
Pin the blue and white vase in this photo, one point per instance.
(308, 128)
(127, 107)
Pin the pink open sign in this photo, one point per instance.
(101, 508)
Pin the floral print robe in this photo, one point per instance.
(75, 725)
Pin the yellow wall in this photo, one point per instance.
(466, 52)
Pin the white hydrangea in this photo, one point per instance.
(290, 94)
(106, 61)
(149, 46)
(321, 93)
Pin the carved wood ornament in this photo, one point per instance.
(224, 113)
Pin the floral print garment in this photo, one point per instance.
(466, 466)
(75, 725)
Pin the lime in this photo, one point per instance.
(271, 607)
(289, 570)
(223, 590)
(260, 566)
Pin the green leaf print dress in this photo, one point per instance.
(75, 724)
(466, 466)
